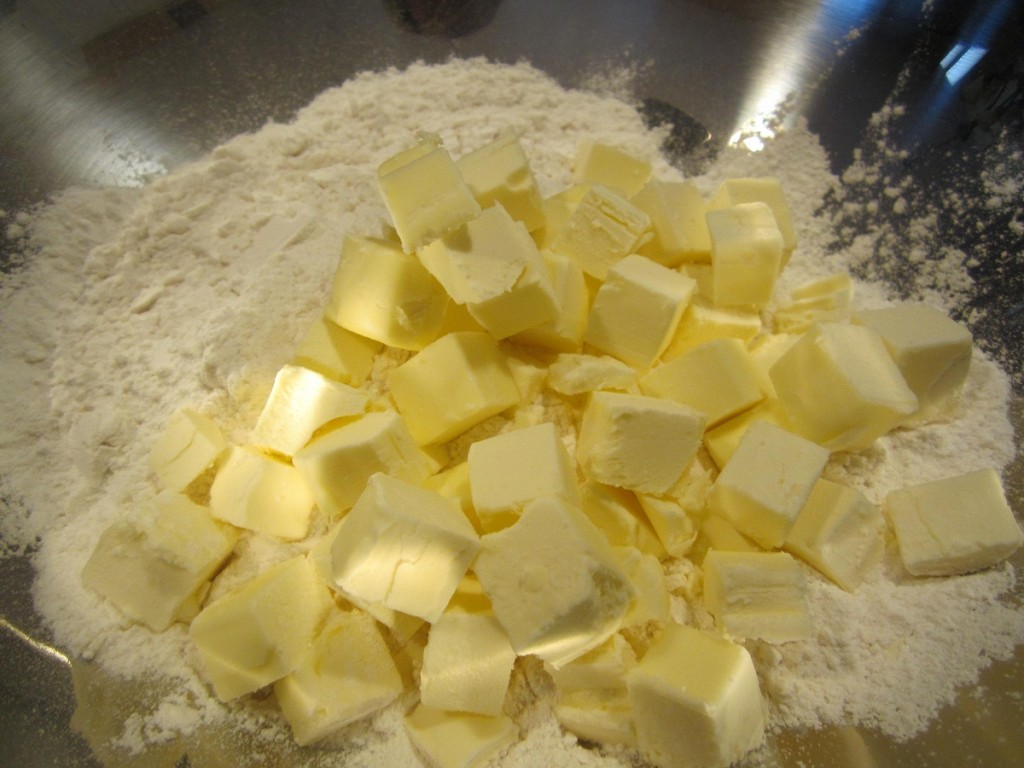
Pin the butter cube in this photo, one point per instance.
(458, 739)
(508, 471)
(932, 351)
(403, 547)
(838, 532)
(696, 700)
(746, 255)
(347, 675)
(453, 483)
(470, 597)
(759, 595)
(703, 322)
(636, 442)
(262, 630)
(680, 230)
(766, 482)
(603, 667)
(840, 388)
(189, 445)
(337, 464)
(599, 163)
(467, 664)
(722, 535)
(648, 578)
(564, 331)
(601, 230)
(156, 563)
(425, 194)
(554, 581)
(499, 172)
(337, 353)
(637, 310)
(619, 516)
(261, 493)
(826, 300)
(301, 402)
(764, 189)
(955, 525)
(765, 351)
(722, 440)
(557, 210)
(386, 295)
(598, 715)
(716, 378)
(453, 384)
(576, 374)
(676, 528)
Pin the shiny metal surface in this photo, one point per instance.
(105, 93)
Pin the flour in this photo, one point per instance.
(194, 289)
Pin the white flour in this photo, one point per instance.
(193, 291)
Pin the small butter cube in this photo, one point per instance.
(757, 595)
(189, 445)
(955, 525)
(840, 388)
(637, 310)
(453, 483)
(765, 189)
(676, 528)
(602, 229)
(696, 700)
(703, 322)
(766, 482)
(636, 442)
(564, 331)
(337, 464)
(508, 471)
(838, 532)
(576, 374)
(619, 516)
(403, 547)
(261, 493)
(157, 562)
(765, 351)
(716, 378)
(337, 353)
(453, 384)
(557, 210)
(425, 194)
(467, 664)
(458, 739)
(386, 295)
(721, 441)
(604, 667)
(826, 300)
(499, 172)
(680, 230)
(554, 581)
(746, 255)
(722, 535)
(648, 578)
(261, 631)
(598, 715)
(347, 675)
(598, 163)
(932, 351)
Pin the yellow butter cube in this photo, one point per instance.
(703, 322)
(619, 516)
(746, 255)
(499, 172)
(564, 331)
(189, 445)
(680, 230)
(676, 527)
(826, 300)
(458, 739)
(722, 535)
(598, 715)
(337, 353)
(576, 374)
(648, 578)
(599, 163)
(604, 667)
(721, 441)
(557, 210)
(453, 483)
(763, 189)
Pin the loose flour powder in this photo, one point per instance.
(194, 289)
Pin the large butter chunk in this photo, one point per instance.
(457, 382)
(508, 471)
(932, 351)
(458, 739)
(499, 172)
(716, 378)
(746, 255)
(337, 353)
(403, 547)
(386, 295)
(637, 442)
(189, 445)
(347, 675)
(763, 189)
(564, 331)
(759, 595)
(301, 402)
(637, 310)
(155, 565)
(766, 482)
(554, 581)
(337, 464)
(838, 532)
(696, 700)
(263, 630)
(680, 230)
(425, 193)
(467, 664)
(601, 230)
(955, 525)
(261, 493)
(599, 163)
(840, 388)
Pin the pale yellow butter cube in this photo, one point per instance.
(637, 310)
(470, 597)
(760, 595)
(262, 630)
(576, 374)
(838, 532)
(636, 442)
(954, 525)
(564, 331)
(336, 352)
(604, 667)
(680, 230)
(403, 547)
(557, 210)
(554, 581)
(696, 700)
(721, 441)
(337, 464)
(600, 163)
(722, 535)
(826, 300)
(648, 578)
(765, 351)
(602, 229)
(155, 564)
(840, 388)
(619, 516)
(189, 445)
(261, 493)
(453, 384)
(347, 675)
(676, 528)
(746, 255)
(459, 739)
(763, 189)
(499, 172)
(453, 483)
(599, 715)
(766, 482)
(703, 322)
(386, 295)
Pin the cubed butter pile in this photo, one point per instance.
(580, 389)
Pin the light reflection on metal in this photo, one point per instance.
(47, 651)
